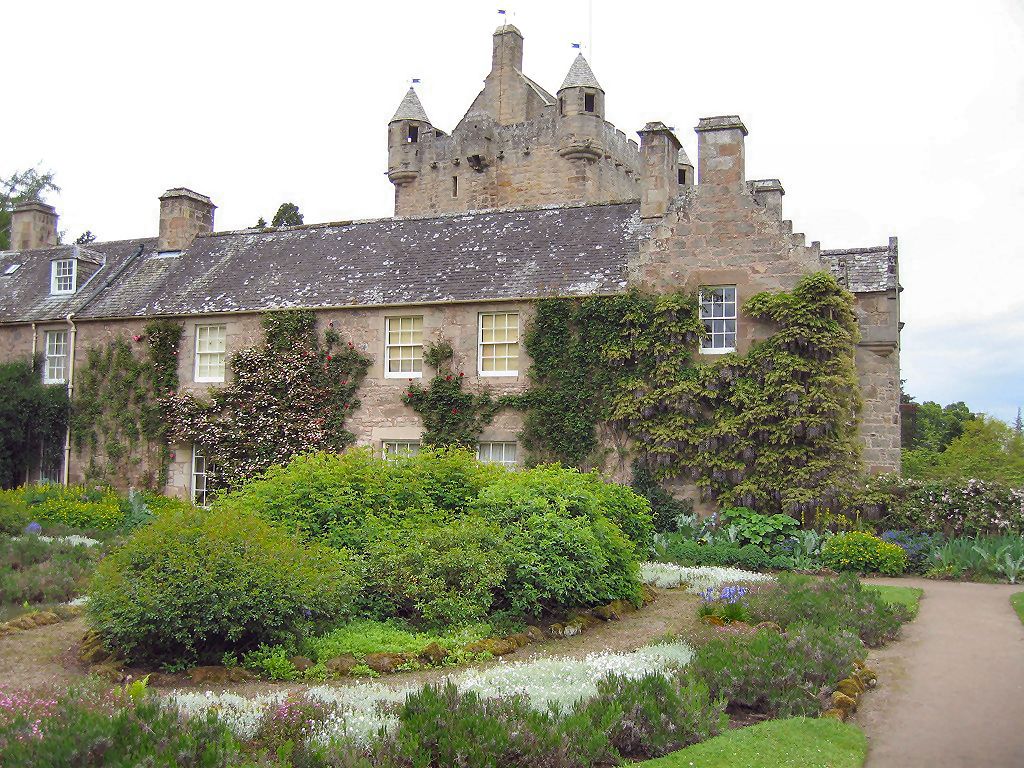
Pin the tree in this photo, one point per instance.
(1018, 425)
(85, 238)
(287, 216)
(21, 187)
(988, 449)
(262, 223)
(937, 426)
(32, 415)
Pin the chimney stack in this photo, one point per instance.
(507, 52)
(768, 192)
(184, 214)
(720, 154)
(33, 225)
(659, 182)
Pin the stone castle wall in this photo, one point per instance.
(524, 167)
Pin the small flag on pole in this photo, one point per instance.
(501, 11)
(575, 45)
(415, 80)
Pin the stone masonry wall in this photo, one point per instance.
(524, 168)
(382, 415)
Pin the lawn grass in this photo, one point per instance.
(796, 742)
(908, 596)
(1017, 601)
(363, 636)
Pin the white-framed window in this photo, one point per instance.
(399, 449)
(63, 275)
(211, 344)
(499, 344)
(204, 473)
(718, 313)
(497, 453)
(55, 368)
(403, 347)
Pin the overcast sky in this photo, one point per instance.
(880, 118)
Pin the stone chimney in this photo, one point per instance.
(720, 154)
(184, 214)
(508, 49)
(33, 225)
(768, 192)
(659, 184)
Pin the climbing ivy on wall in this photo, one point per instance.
(292, 393)
(33, 417)
(451, 416)
(774, 429)
(117, 420)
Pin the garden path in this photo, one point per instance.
(47, 654)
(951, 692)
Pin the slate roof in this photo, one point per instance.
(25, 294)
(479, 256)
(865, 270)
(491, 255)
(411, 108)
(580, 75)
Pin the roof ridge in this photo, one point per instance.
(425, 217)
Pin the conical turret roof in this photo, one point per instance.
(580, 75)
(411, 108)
(682, 158)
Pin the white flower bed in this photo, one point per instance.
(242, 715)
(698, 579)
(362, 710)
(74, 540)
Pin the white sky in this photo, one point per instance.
(880, 118)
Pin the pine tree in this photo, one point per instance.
(287, 216)
(1018, 425)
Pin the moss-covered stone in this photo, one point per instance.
(850, 687)
(496, 646)
(342, 665)
(433, 654)
(385, 663)
(841, 701)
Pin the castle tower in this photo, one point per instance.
(408, 129)
(581, 113)
(517, 145)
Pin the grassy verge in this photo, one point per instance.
(364, 636)
(1017, 601)
(908, 596)
(792, 743)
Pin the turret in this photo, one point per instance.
(408, 128)
(580, 112)
(684, 169)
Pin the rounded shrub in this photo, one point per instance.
(859, 551)
(195, 584)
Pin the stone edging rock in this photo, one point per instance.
(32, 620)
(848, 691)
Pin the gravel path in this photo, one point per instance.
(951, 692)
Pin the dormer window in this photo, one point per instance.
(63, 276)
(589, 102)
(414, 134)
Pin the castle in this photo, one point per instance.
(531, 195)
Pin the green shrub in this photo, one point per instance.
(556, 564)
(858, 551)
(439, 726)
(435, 574)
(654, 715)
(753, 558)
(37, 571)
(952, 507)
(683, 551)
(195, 584)
(779, 674)
(73, 506)
(86, 728)
(755, 528)
(839, 604)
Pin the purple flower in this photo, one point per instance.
(34, 528)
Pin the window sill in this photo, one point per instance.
(499, 374)
(718, 351)
(55, 381)
(197, 380)
(407, 375)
